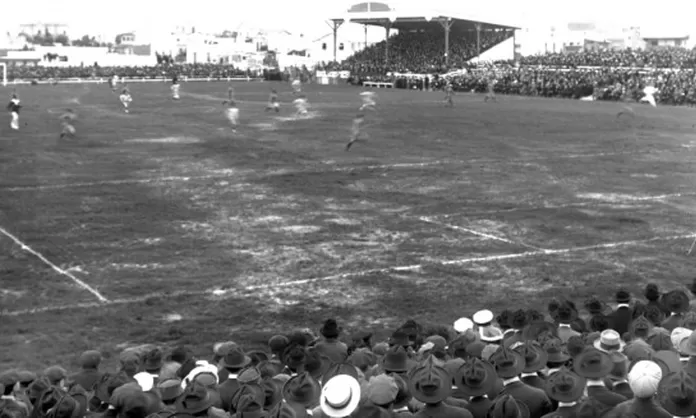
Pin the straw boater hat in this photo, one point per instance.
(340, 396)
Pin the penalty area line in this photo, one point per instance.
(55, 268)
(218, 292)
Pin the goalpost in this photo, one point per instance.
(4, 73)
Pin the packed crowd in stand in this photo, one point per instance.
(182, 70)
(420, 52)
(656, 58)
(637, 359)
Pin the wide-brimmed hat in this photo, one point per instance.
(194, 400)
(506, 406)
(592, 408)
(508, 363)
(396, 360)
(676, 301)
(565, 386)
(340, 396)
(593, 364)
(555, 351)
(295, 357)
(609, 340)
(235, 359)
(330, 329)
(537, 329)
(677, 394)
(535, 357)
(302, 389)
(641, 327)
(430, 383)
(475, 377)
(461, 325)
(490, 334)
(153, 359)
(170, 389)
(670, 360)
(249, 406)
(687, 346)
(483, 317)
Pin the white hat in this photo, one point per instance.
(483, 317)
(609, 340)
(340, 396)
(678, 335)
(145, 380)
(461, 325)
(644, 378)
(490, 334)
(202, 366)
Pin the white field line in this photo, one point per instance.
(57, 269)
(327, 168)
(474, 232)
(414, 267)
(572, 205)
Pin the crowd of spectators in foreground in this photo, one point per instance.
(637, 359)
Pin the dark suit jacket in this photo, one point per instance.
(623, 389)
(690, 366)
(563, 412)
(336, 350)
(86, 378)
(479, 406)
(536, 400)
(605, 396)
(621, 319)
(672, 322)
(533, 381)
(227, 390)
(640, 408)
(442, 410)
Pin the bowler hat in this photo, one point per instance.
(508, 363)
(677, 394)
(330, 329)
(430, 383)
(565, 386)
(623, 296)
(475, 377)
(593, 364)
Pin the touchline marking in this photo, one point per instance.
(474, 232)
(57, 269)
(326, 168)
(593, 202)
(414, 267)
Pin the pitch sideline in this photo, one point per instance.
(414, 267)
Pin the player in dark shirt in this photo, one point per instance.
(13, 107)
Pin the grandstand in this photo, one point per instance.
(442, 39)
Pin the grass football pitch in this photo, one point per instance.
(163, 226)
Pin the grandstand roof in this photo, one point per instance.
(379, 14)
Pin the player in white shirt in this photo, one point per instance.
(113, 83)
(232, 113)
(491, 89)
(13, 107)
(368, 100)
(125, 98)
(356, 129)
(649, 97)
(301, 105)
(175, 88)
(68, 130)
(297, 87)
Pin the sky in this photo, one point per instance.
(310, 15)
